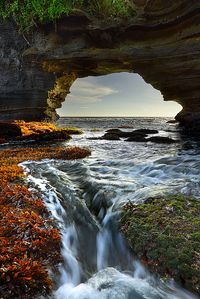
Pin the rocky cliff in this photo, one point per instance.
(161, 43)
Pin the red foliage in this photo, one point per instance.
(29, 242)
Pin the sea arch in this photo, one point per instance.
(116, 95)
(161, 44)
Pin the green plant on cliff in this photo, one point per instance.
(165, 234)
(27, 13)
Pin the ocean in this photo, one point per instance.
(85, 197)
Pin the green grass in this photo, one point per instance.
(27, 13)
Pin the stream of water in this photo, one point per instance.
(85, 197)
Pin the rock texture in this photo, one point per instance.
(23, 85)
(161, 44)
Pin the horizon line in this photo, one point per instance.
(114, 116)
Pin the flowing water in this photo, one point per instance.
(86, 196)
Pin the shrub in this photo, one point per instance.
(28, 12)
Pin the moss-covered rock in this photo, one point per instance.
(165, 234)
(72, 130)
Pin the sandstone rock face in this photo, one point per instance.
(161, 43)
(23, 85)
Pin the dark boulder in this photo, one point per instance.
(160, 139)
(145, 131)
(114, 131)
(122, 134)
(110, 136)
(9, 130)
(139, 138)
(44, 137)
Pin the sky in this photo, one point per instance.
(121, 94)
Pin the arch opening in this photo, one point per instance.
(116, 95)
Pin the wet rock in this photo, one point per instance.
(160, 139)
(164, 233)
(187, 146)
(112, 284)
(123, 134)
(95, 138)
(110, 136)
(44, 137)
(172, 121)
(3, 140)
(118, 133)
(75, 213)
(107, 283)
(114, 131)
(100, 202)
(139, 138)
(9, 130)
(145, 131)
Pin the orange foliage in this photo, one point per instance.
(35, 127)
(29, 241)
(9, 159)
(15, 156)
(10, 173)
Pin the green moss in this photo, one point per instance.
(72, 130)
(28, 12)
(165, 233)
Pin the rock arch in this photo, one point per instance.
(161, 43)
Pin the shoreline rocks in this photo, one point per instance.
(9, 130)
(160, 139)
(139, 135)
(45, 137)
(165, 234)
(21, 131)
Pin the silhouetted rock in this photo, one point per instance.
(159, 139)
(9, 130)
(50, 136)
(145, 131)
(110, 136)
(172, 121)
(114, 131)
(139, 138)
(123, 134)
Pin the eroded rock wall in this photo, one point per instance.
(24, 86)
(161, 43)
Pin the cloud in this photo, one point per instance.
(84, 107)
(84, 91)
